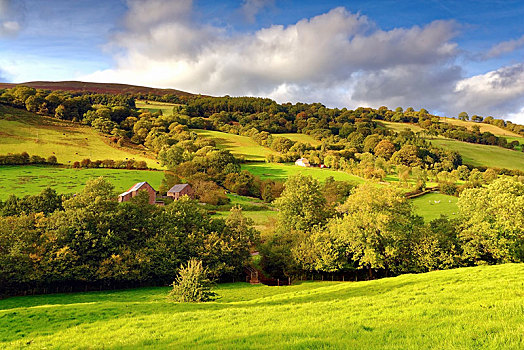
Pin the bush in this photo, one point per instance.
(192, 284)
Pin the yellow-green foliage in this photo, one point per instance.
(467, 308)
(243, 146)
(304, 138)
(22, 131)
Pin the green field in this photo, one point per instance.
(32, 179)
(430, 206)
(21, 131)
(484, 155)
(238, 145)
(467, 308)
(398, 127)
(495, 130)
(304, 138)
(260, 212)
(278, 171)
(153, 106)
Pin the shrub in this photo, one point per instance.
(192, 284)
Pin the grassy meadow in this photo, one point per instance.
(495, 130)
(22, 131)
(243, 146)
(484, 155)
(279, 171)
(32, 179)
(468, 308)
(398, 127)
(154, 106)
(430, 206)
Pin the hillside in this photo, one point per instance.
(106, 88)
(483, 155)
(32, 179)
(467, 308)
(22, 131)
(495, 130)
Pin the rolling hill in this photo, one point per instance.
(106, 88)
(22, 131)
(466, 308)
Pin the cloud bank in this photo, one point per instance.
(338, 58)
(11, 13)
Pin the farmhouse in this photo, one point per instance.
(302, 162)
(133, 191)
(177, 191)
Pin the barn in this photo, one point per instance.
(133, 191)
(179, 190)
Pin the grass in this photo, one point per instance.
(468, 308)
(32, 179)
(398, 127)
(495, 130)
(153, 106)
(304, 138)
(430, 206)
(243, 146)
(22, 131)
(278, 171)
(484, 155)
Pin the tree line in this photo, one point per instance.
(51, 243)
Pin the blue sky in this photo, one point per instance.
(446, 56)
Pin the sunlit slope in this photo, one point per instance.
(468, 308)
(22, 131)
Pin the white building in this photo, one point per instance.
(302, 162)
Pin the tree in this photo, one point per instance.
(385, 149)
(171, 157)
(493, 226)
(407, 155)
(192, 284)
(302, 204)
(378, 228)
(463, 116)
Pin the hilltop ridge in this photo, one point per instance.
(109, 88)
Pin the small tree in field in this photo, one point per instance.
(192, 284)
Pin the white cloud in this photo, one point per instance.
(337, 58)
(497, 93)
(10, 14)
(505, 47)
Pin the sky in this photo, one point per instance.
(447, 56)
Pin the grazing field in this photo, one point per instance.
(495, 130)
(401, 126)
(153, 106)
(430, 206)
(32, 179)
(260, 212)
(278, 171)
(238, 145)
(468, 308)
(304, 138)
(22, 131)
(484, 155)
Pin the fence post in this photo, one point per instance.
(278, 282)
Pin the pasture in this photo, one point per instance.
(495, 130)
(32, 179)
(22, 131)
(483, 155)
(242, 146)
(154, 106)
(430, 206)
(398, 127)
(279, 171)
(467, 308)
